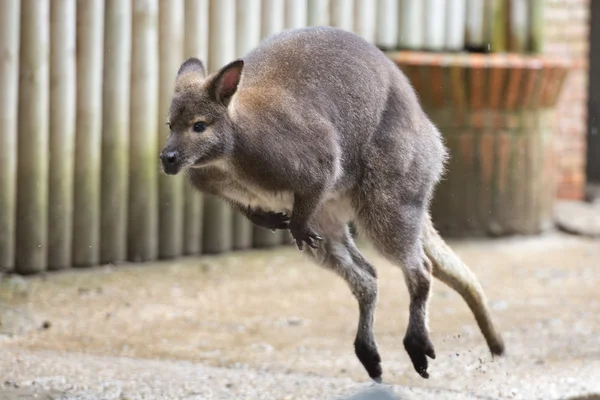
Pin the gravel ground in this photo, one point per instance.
(270, 325)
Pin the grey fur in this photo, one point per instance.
(311, 130)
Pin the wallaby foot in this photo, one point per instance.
(418, 346)
(338, 253)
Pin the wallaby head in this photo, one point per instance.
(201, 130)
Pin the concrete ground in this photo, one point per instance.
(271, 325)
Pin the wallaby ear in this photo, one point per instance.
(224, 84)
(192, 64)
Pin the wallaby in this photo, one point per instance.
(313, 129)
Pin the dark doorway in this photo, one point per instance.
(593, 134)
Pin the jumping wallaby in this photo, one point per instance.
(313, 129)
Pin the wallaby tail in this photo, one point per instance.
(448, 268)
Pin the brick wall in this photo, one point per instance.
(567, 35)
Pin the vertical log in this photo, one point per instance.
(536, 26)
(496, 22)
(9, 115)
(32, 171)
(171, 201)
(518, 27)
(295, 14)
(365, 15)
(318, 12)
(342, 14)
(218, 219)
(455, 25)
(411, 28)
(248, 17)
(62, 132)
(115, 131)
(88, 141)
(387, 24)
(196, 45)
(475, 36)
(272, 17)
(435, 28)
(273, 21)
(143, 162)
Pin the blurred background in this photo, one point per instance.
(85, 87)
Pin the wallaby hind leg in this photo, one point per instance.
(338, 253)
(392, 222)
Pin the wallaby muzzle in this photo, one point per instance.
(171, 161)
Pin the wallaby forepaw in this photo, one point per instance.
(306, 235)
(418, 350)
(272, 220)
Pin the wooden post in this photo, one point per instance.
(88, 140)
(273, 17)
(10, 19)
(171, 201)
(435, 24)
(247, 37)
(365, 15)
(248, 26)
(295, 14)
(536, 26)
(455, 25)
(273, 21)
(318, 12)
(387, 25)
(496, 25)
(342, 14)
(115, 131)
(32, 172)
(518, 27)
(411, 28)
(62, 132)
(143, 178)
(475, 35)
(196, 45)
(218, 216)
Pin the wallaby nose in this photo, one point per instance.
(170, 161)
(169, 157)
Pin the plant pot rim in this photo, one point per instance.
(479, 60)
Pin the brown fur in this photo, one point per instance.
(313, 129)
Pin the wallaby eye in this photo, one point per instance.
(199, 127)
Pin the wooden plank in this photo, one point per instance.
(295, 14)
(411, 32)
(115, 131)
(9, 115)
(248, 31)
(143, 156)
(32, 171)
(218, 216)
(273, 17)
(435, 24)
(88, 139)
(341, 14)
(456, 18)
(518, 26)
(318, 12)
(196, 45)
(365, 19)
(171, 204)
(63, 92)
(386, 30)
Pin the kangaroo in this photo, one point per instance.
(312, 130)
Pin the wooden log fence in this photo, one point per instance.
(86, 86)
